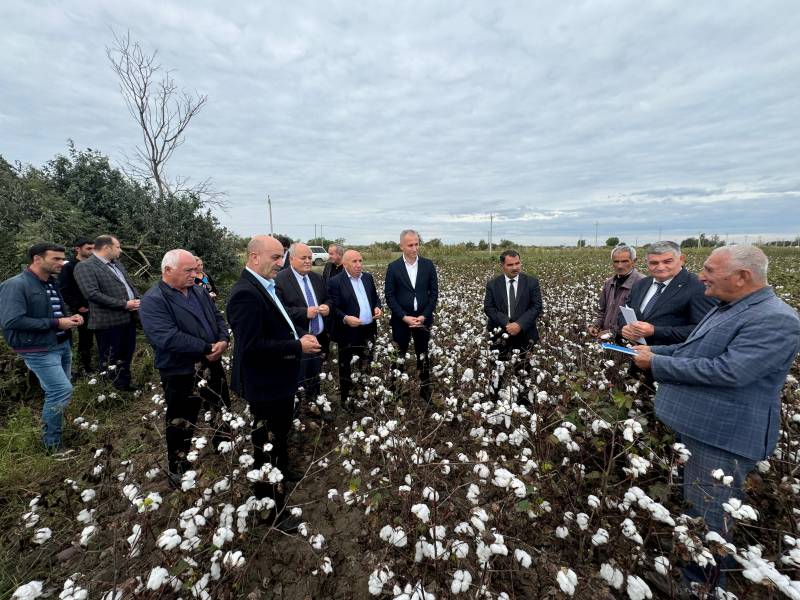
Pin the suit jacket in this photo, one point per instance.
(294, 297)
(69, 287)
(344, 302)
(266, 355)
(175, 332)
(400, 293)
(723, 385)
(527, 310)
(677, 311)
(106, 294)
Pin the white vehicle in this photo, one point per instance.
(319, 255)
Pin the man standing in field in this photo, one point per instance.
(616, 290)
(412, 290)
(512, 303)
(356, 306)
(36, 326)
(721, 388)
(669, 303)
(113, 304)
(186, 331)
(76, 302)
(334, 265)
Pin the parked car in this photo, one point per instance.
(319, 256)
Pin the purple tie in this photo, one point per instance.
(310, 302)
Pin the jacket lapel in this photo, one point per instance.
(404, 272)
(502, 293)
(673, 289)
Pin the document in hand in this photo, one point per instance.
(630, 318)
(616, 348)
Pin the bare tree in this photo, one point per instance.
(162, 112)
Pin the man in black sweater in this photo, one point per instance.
(77, 303)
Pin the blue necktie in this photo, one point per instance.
(652, 302)
(310, 302)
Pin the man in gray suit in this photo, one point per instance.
(721, 388)
(113, 301)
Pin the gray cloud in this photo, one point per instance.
(368, 118)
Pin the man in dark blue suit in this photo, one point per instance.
(185, 330)
(512, 303)
(721, 388)
(669, 303)
(356, 306)
(412, 290)
(267, 351)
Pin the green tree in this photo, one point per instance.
(581, 244)
(612, 241)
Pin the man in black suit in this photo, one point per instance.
(305, 297)
(267, 351)
(334, 265)
(76, 302)
(113, 304)
(412, 290)
(186, 330)
(669, 303)
(512, 304)
(355, 305)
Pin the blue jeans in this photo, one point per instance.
(53, 370)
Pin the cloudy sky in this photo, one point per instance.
(560, 118)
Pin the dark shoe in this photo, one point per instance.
(174, 480)
(288, 524)
(128, 388)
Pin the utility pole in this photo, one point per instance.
(699, 240)
(321, 237)
(745, 240)
(269, 203)
(491, 226)
(596, 223)
(315, 232)
(659, 234)
(636, 243)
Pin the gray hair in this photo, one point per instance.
(293, 248)
(406, 232)
(662, 247)
(337, 248)
(748, 258)
(624, 248)
(171, 259)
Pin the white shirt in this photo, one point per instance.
(652, 291)
(269, 286)
(508, 294)
(313, 294)
(411, 269)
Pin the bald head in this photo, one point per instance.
(352, 262)
(265, 255)
(301, 258)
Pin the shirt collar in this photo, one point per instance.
(516, 279)
(414, 264)
(267, 283)
(298, 275)
(666, 282)
(353, 277)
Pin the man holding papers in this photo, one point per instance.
(669, 303)
(721, 388)
(616, 290)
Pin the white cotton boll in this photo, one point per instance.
(29, 591)
(763, 466)
(422, 512)
(630, 532)
(87, 534)
(739, 510)
(168, 540)
(460, 549)
(317, 541)
(377, 579)
(88, 495)
(561, 532)
(40, 536)
(134, 539)
(221, 536)
(158, 577)
(727, 480)
(661, 564)
(593, 501)
(600, 538)
(430, 494)
(567, 580)
(187, 481)
(112, 595)
(523, 558)
(461, 581)
(637, 589)
(297, 511)
(326, 566)
(612, 576)
(333, 493)
(152, 473)
(233, 559)
(200, 442)
(582, 519)
(718, 474)
(245, 460)
(86, 516)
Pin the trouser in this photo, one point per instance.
(272, 423)
(347, 350)
(215, 393)
(506, 346)
(183, 405)
(115, 347)
(402, 335)
(53, 369)
(85, 344)
(311, 367)
(706, 496)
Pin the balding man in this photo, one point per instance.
(334, 265)
(188, 335)
(355, 305)
(721, 388)
(305, 297)
(267, 353)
